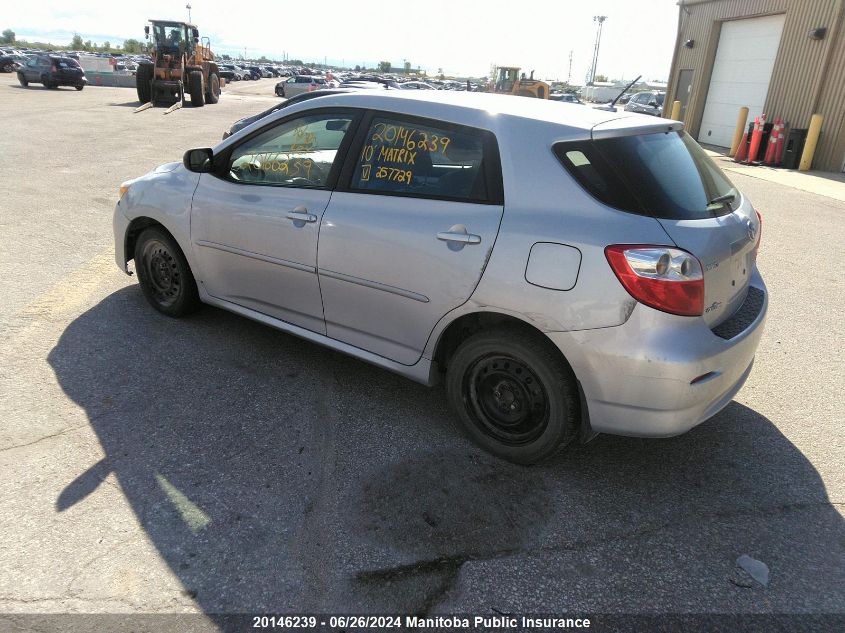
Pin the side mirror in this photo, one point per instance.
(652, 103)
(147, 32)
(195, 33)
(199, 161)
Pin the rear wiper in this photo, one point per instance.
(728, 197)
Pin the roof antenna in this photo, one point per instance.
(611, 107)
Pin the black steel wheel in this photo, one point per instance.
(514, 394)
(163, 272)
(508, 400)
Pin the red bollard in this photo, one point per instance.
(756, 138)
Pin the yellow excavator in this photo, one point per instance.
(181, 64)
(507, 80)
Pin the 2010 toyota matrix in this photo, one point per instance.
(566, 270)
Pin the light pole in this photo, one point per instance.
(188, 7)
(599, 20)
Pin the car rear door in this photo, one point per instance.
(255, 220)
(406, 237)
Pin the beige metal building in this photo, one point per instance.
(783, 58)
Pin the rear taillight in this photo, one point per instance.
(665, 278)
(759, 233)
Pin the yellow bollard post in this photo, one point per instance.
(676, 111)
(811, 142)
(740, 128)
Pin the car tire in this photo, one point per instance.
(213, 94)
(79, 87)
(8, 68)
(195, 88)
(514, 394)
(22, 80)
(164, 274)
(45, 81)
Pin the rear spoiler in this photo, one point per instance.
(633, 125)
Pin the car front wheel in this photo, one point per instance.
(164, 274)
(22, 80)
(514, 394)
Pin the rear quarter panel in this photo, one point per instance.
(543, 203)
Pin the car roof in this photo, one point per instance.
(466, 106)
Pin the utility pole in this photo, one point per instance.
(599, 20)
(569, 74)
(188, 7)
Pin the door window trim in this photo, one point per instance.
(491, 158)
(220, 167)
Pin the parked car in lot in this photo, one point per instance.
(254, 72)
(565, 97)
(416, 85)
(297, 84)
(646, 103)
(9, 62)
(240, 124)
(226, 72)
(52, 71)
(605, 282)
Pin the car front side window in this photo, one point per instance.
(295, 153)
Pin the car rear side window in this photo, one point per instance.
(664, 175)
(416, 158)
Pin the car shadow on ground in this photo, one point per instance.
(275, 475)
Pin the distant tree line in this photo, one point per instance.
(130, 46)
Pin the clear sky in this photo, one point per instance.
(461, 37)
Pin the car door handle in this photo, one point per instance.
(300, 216)
(463, 238)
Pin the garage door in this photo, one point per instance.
(741, 73)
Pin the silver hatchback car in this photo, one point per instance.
(566, 270)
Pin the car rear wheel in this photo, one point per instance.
(80, 87)
(213, 94)
(195, 88)
(163, 272)
(45, 81)
(22, 80)
(514, 394)
(9, 68)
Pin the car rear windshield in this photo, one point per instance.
(664, 175)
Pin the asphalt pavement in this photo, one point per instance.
(213, 465)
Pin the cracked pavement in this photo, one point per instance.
(213, 465)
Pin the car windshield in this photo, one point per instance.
(665, 175)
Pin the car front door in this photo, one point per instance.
(255, 220)
(407, 235)
(30, 70)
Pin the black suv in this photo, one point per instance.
(52, 71)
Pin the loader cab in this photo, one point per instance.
(174, 38)
(506, 79)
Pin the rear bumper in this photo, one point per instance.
(659, 375)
